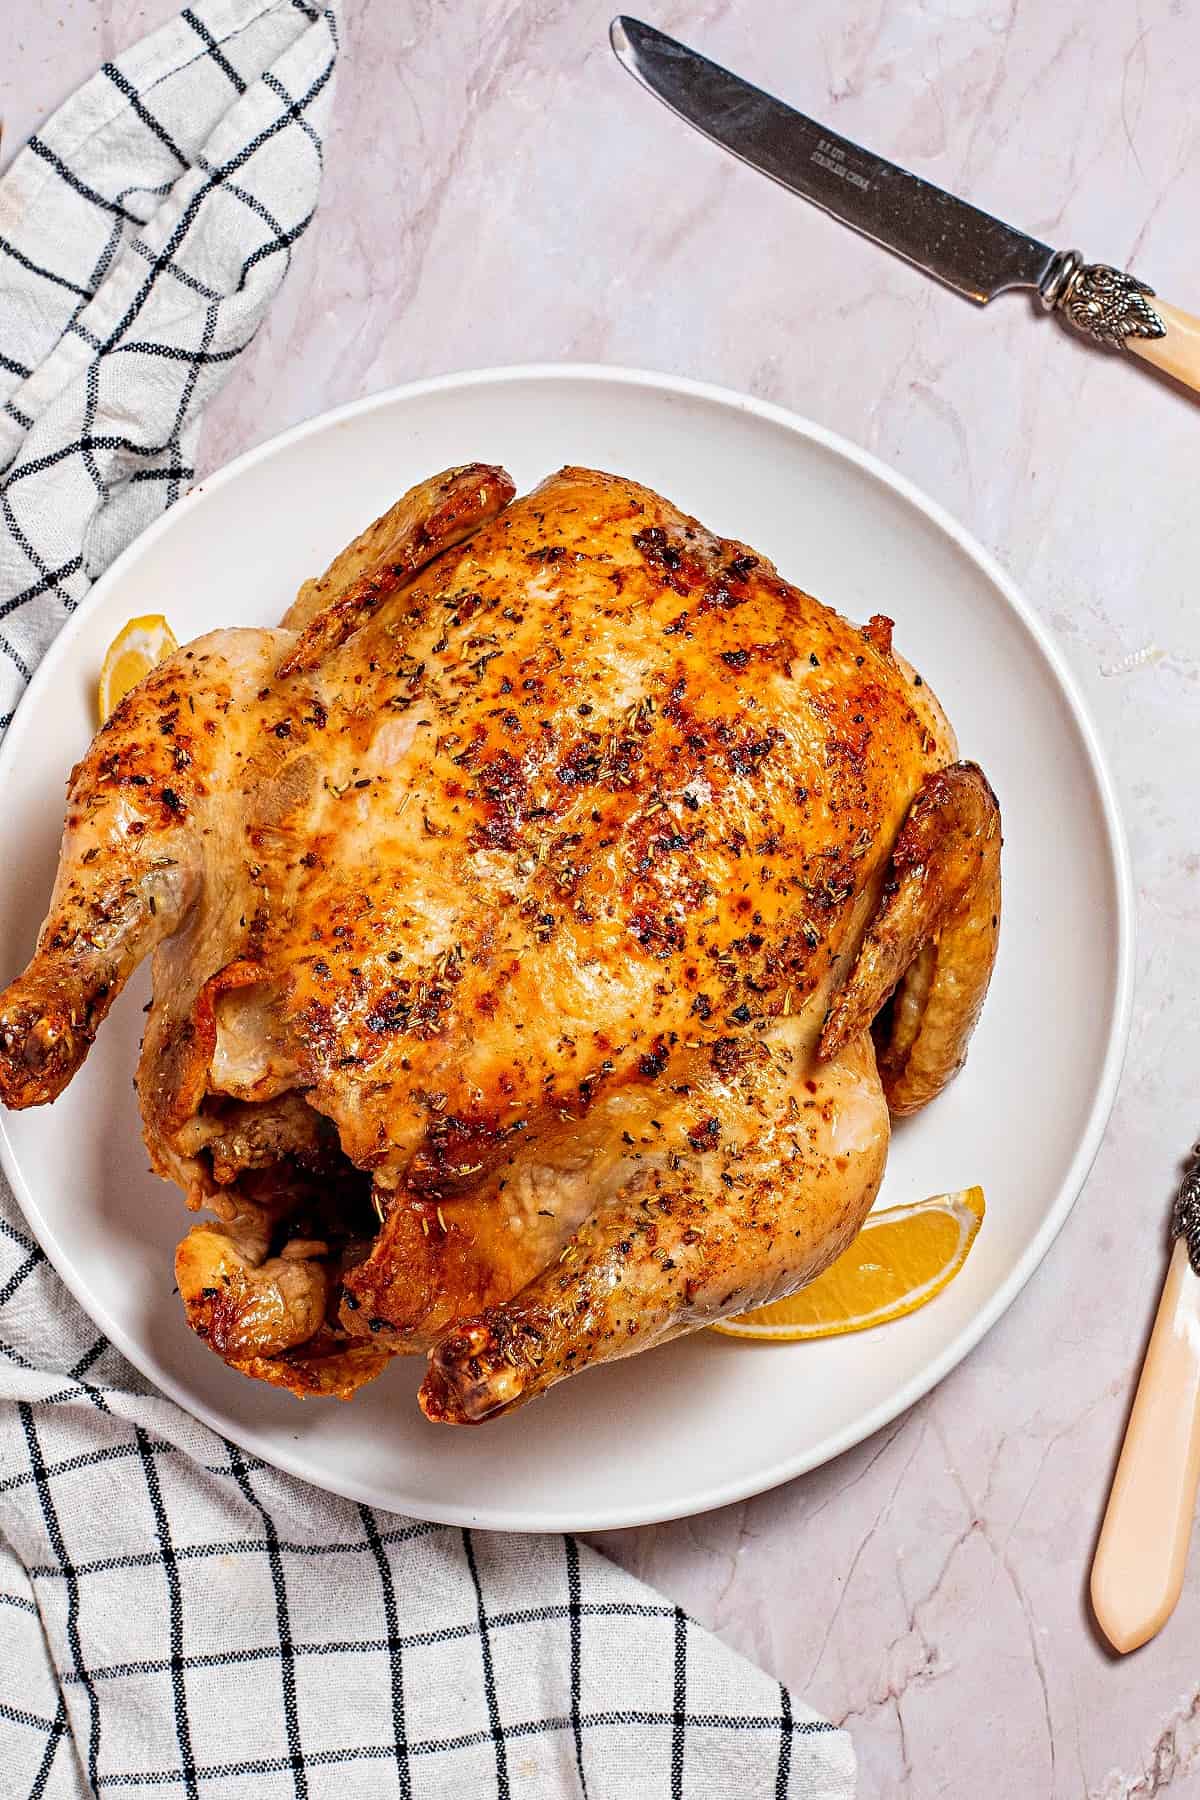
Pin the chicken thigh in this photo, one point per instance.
(545, 921)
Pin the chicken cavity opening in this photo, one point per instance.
(262, 1281)
(280, 1180)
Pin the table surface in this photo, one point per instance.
(497, 190)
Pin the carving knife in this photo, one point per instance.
(976, 255)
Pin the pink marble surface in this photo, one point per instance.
(497, 190)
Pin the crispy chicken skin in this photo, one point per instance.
(544, 921)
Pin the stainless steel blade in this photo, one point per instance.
(967, 249)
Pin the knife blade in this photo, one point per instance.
(966, 249)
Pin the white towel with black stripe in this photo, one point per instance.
(143, 233)
(174, 1614)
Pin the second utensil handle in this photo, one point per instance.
(1138, 1569)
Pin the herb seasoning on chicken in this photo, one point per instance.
(545, 920)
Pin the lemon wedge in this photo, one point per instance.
(900, 1259)
(137, 647)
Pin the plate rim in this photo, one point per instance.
(837, 1443)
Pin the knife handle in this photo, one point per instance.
(1119, 311)
(1176, 353)
(1137, 1573)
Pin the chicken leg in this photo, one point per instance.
(763, 1176)
(132, 859)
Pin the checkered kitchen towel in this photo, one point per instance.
(173, 1613)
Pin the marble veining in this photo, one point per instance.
(497, 190)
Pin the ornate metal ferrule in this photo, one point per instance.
(1106, 304)
(1185, 1219)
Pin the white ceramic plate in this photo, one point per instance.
(709, 1420)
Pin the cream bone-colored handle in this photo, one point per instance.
(1118, 310)
(1177, 353)
(1138, 1569)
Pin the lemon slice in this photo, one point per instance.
(900, 1259)
(137, 647)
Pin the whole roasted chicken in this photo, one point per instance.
(545, 920)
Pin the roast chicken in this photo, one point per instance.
(546, 920)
